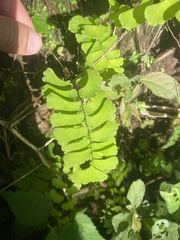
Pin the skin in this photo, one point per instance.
(18, 35)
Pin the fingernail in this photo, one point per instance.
(34, 43)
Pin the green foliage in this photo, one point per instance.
(81, 228)
(162, 12)
(44, 25)
(136, 193)
(173, 138)
(90, 113)
(163, 229)
(30, 208)
(40, 24)
(85, 126)
(127, 225)
(162, 85)
(125, 222)
(97, 43)
(171, 196)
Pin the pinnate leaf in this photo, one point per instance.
(84, 125)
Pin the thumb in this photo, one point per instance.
(18, 38)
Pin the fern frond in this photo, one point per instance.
(97, 43)
(84, 125)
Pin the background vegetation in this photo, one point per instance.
(90, 126)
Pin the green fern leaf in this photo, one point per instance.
(162, 11)
(84, 125)
(135, 16)
(97, 44)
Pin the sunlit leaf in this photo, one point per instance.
(136, 193)
(172, 198)
(162, 11)
(76, 22)
(135, 15)
(162, 85)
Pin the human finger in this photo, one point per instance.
(17, 38)
(14, 9)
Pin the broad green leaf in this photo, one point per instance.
(68, 232)
(30, 208)
(172, 198)
(86, 228)
(162, 85)
(121, 221)
(136, 193)
(81, 228)
(159, 229)
(162, 11)
(164, 229)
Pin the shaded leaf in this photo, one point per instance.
(121, 221)
(30, 208)
(173, 138)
